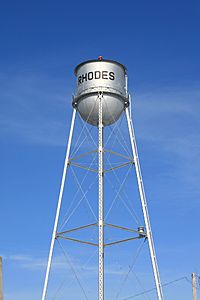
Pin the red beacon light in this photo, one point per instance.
(100, 57)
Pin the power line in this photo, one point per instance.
(163, 285)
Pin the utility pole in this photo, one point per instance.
(194, 286)
(1, 285)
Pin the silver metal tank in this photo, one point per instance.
(101, 77)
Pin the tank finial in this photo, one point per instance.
(100, 57)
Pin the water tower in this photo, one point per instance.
(101, 99)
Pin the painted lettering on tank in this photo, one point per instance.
(111, 75)
(97, 74)
(90, 75)
(106, 75)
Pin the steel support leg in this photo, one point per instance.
(144, 207)
(58, 207)
(101, 203)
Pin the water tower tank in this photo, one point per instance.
(101, 77)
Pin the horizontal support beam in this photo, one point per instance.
(95, 151)
(82, 155)
(61, 234)
(123, 241)
(95, 244)
(77, 228)
(125, 228)
(119, 166)
(76, 240)
(104, 171)
(118, 154)
(82, 167)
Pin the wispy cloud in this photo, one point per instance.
(59, 262)
(23, 295)
(33, 109)
(167, 113)
(26, 261)
(168, 120)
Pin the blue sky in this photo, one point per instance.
(41, 43)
